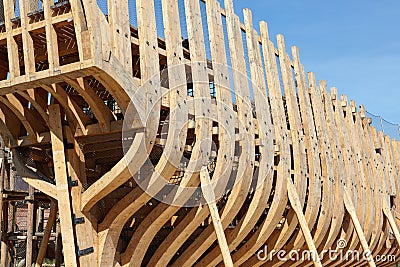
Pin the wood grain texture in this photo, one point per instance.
(123, 131)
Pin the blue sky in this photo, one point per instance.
(353, 44)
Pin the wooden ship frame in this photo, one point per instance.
(305, 165)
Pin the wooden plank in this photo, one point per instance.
(209, 195)
(60, 171)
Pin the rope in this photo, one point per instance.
(388, 128)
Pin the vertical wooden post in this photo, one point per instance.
(31, 227)
(208, 193)
(60, 171)
(58, 245)
(12, 46)
(3, 211)
(51, 37)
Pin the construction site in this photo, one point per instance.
(173, 133)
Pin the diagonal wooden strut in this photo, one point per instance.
(296, 205)
(392, 222)
(208, 193)
(352, 211)
(47, 233)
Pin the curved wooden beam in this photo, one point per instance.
(16, 107)
(171, 157)
(101, 111)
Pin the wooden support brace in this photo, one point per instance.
(43, 186)
(296, 205)
(60, 170)
(392, 222)
(46, 236)
(352, 211)
(208, 193)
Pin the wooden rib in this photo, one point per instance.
(358, 182)
(339, 166)
(348, 166)
(10, 126)
(265, 173)
(226, 149)
(16, 107)
(176, 140)
(201, 150)
(101, 111)
(298, 146)
(313, 151)
(327, 206)
(73, 111)
(368, 171)
(377, 189)
(246, 158)
(146, 103)
(37, 102)
(282, 138)
(295, 123)
(383, 190)
(60, 171)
